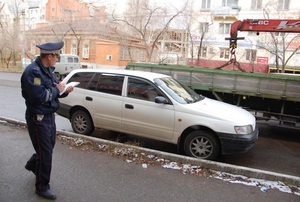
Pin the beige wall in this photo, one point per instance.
(105, 50)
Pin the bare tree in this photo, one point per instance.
(1, 10)
(148, 21)
(10, 31)
(197, 26)
(278, 44)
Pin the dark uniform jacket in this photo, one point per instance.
(38, 85)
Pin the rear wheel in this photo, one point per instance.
(201, 144)
(82, 123)
(58, 76)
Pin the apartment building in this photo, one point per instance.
(254, 52)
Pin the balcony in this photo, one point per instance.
(226, 11)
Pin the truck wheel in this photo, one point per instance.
(201, 144)
(82, 123)
(58, 76)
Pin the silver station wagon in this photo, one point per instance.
(156, 106)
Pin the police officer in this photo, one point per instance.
(41, 90)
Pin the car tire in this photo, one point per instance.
(82, 123)
(201, 144)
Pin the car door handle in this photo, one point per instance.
(88, 98)
(128, 106)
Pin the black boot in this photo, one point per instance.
(48, 194)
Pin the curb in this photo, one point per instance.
(217, 166)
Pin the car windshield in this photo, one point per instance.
(177, 91)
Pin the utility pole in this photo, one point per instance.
(23, 41)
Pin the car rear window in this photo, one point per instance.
(111, 84)
(83, 78)
(104, 83)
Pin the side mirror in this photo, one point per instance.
(161, 100)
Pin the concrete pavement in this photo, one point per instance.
(97, 176)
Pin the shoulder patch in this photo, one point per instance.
(37, 81)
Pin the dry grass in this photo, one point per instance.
(11, 69)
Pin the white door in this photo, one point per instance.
(142, 116)
(104, 101)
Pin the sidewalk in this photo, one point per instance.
(97, 176)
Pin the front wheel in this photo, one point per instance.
(201, 144)
(82, 123)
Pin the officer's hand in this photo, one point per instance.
(60, 86)
(69, 89)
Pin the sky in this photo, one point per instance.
(120, 5)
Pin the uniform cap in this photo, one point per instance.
(48, 48)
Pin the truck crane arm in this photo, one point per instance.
(257, 25)
(265, 25)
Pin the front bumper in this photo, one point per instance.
(233, 143)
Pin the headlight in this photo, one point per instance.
(243, 130)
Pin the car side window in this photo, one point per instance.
(93, 83)
(111, 84)
(141, 89)
(83, 78)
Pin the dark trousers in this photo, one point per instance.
(43, 135)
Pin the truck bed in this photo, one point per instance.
(269, 97)
(273, 86)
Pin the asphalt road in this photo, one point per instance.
(96, 176)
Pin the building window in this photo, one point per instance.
(252, 33)
(74, 49)
(229, 3)
(63, 49)
(108, 57)
(203, 27)
(52, 9)
(124, 53)
(256, 4)
(203, 52)
(224, 28)
(283, 4)
(279, 34)
(132, 53)
(251, 55)
(33, 48)
(85, 51)
(205, 4)
(224, 53)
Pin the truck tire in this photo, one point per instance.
(58, 76)
(82, 123)
(201, 144)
